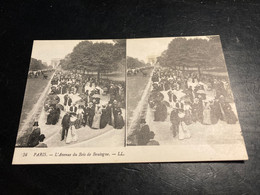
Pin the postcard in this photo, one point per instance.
(142, 100)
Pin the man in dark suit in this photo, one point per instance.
(89, 114)
(86, 98)
(112, 92)
(175, 120)
(86, 115)
(109, 113)
(65, 125)
(69, 101)
(66, 99)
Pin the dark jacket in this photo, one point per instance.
(89, 111)
(69, 101)
(34, 138)
(73, 109)
(66, 121)
(174, 118)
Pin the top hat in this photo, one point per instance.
(36, 123)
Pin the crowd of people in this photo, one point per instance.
(78, 100)
(187, 99)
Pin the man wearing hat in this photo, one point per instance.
(112, 92)
(34, 136)
(65, 125)
(89, 114)
(175, 120)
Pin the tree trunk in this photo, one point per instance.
(199, 71)
(98, 75)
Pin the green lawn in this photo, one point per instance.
(34, 88)
(135, 89)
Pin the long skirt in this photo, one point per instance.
(206, 117)
(104, 119)
(184, 132)
(230, 117)
(174, 128)
(72, 135)
(96, 121)
(119, 122)
(188, 117)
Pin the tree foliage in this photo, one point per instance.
(193, 52)
(36, 65)
(95, 56)
(65, 63)
(134, 63)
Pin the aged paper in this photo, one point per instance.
(135, 100)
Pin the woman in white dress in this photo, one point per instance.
(96, 119)
(80, 112)
(72, 135)
(187, 110)
(184, 132)
(206, 114)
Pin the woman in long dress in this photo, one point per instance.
(72, 135)
(184, 132)
(96, 119)
(104, 117)
(229, 115)
(80, 112)
(206, 114)
(187, 110)
(215, 112)
(119, 121)
(160, 113)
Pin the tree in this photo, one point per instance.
(134, 63)
(36, 65)
(200, 53)
(99, 57)
(65, 63)
(120, 53)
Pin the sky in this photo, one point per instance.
(142, 48)
(47, 50)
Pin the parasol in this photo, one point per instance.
(83, 96)
(185, 98)
(201, 91)
(60, 106)
(73, 118)
(96, 96)
(80, 102)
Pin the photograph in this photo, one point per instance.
(75, 95)
(178, 93)
(164, 99)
